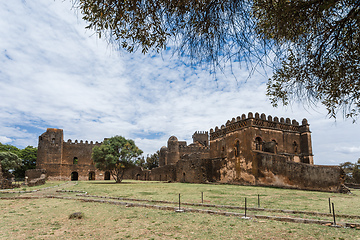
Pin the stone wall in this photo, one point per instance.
(193, 168)
(35, 177)
(164, 173)
(34, 173)
(137, 173)
(275, 170)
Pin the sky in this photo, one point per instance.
(54, 73)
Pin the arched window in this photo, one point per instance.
(237, 148)
(295, 147)
(75, 160)
(53, 140)
(258, 143)
(275, 147)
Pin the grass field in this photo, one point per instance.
(46, 218)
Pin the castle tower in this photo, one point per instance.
(173, 155)
(305, 143)
(50, 148)
(201, 137)
(163, 156)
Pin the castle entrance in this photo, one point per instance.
(107, 175)
(91, 176)
(74, 176)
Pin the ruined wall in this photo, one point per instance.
(137, 173)
(58, 157)
(34, 173)
(164, 173)
(77, 158)
(193, 168)
(35, 177)
(275, 170)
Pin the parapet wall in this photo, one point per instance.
(82, 142)
(258, 121)
(275, 170)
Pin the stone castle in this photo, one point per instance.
(252, 150)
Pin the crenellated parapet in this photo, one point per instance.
(192, 148)
(86, 142)
(258, 120)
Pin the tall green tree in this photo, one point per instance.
(27, 155)
(352, 171)
(116, 155)
(28, 158)
(9, 162)
(152, 161)
(313, 46)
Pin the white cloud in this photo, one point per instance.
(54, 73)
(348, 150)
(4, 139)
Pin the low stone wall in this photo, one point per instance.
(164, 173)
(275, 170)
(35, 177)
(34, 173)
(136, 173)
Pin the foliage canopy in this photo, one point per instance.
(27, 157)
(9, 161)
(116, 155)
(352, 171)
(313, 46)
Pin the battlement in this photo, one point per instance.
(191, 148)
(82, 142)
(259, 121)
(200, 133)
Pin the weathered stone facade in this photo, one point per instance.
(72, 160)
(66, 160)
(35, 177)
(253, 150)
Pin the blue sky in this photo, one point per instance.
(55, 73)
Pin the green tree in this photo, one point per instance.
(9, 148)
(312, 46)
(28, 157)
(140, 161)
(319, 45)
(356, 174)
(152, 161)
(9, 162)
(116, 155)
(348, 168)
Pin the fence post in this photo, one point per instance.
(333, 213)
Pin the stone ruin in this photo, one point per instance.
(252, 149)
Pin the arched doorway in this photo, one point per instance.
(74, 176)
(91, 175)
(107, 175)
(138, 176)
(184, 179)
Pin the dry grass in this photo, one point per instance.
(49, 218)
